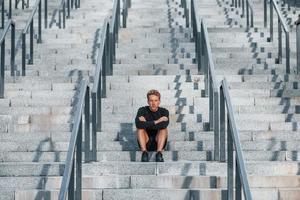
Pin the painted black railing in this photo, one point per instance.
(233, 146)
(30, 27)
(71, 185)
(64, 11)
(9, 25)
(281, 26)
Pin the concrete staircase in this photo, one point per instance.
(154, 51)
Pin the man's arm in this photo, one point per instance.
(164, 122)
(142, 124)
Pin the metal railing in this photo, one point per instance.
(2, 3)
(233, 145)
(104, 67)
(71, 185)
(66, 5)
(297, 23)
(206, 65)
(217, 111)
(281, 25)
(125, 12)
(211, 85)
(9, 25)
(99, 85)
(184, 5)
(30, 26)
(114, 32)
(248, 6)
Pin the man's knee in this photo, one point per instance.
(163, 131)
(140, 130)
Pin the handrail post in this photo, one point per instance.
(279, 42)
(271, 20)
(46, 14)
(124, 12)
(2, 14)
(251, 20)
(12, 56)
(229, 161)
(298, 43)
(238, 184)
(71, 188)
(31, 44)
(69, 8)
(40, 23)
(287, 43)
(265, 13)
(2, 69)
(23, 53)
(243, 8)
(59, 18)
(64, 15)
(216, 126)
(87, 125)
(10, 9)
(211, 102)
(78, 192)
(222, 126)
(247, 14)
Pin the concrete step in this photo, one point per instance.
(160, 194)
(137, 168)
(135, 156)
(148, 182)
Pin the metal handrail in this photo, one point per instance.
(185, 7)
(216, 119)
(281, 25)
(10, 24)
(70, 4)
(104, 67)
(125, 12)
(248, 5)
(114, 29)
(29, 26)
(73, 168)
(233, 143)
(99, 85)
(2, 11)
(206, 66)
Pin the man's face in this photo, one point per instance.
(153, 102)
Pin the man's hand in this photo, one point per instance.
(162, 119)
(142, 119)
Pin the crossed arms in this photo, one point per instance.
(158, 124)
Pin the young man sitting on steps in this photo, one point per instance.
(151, 123)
